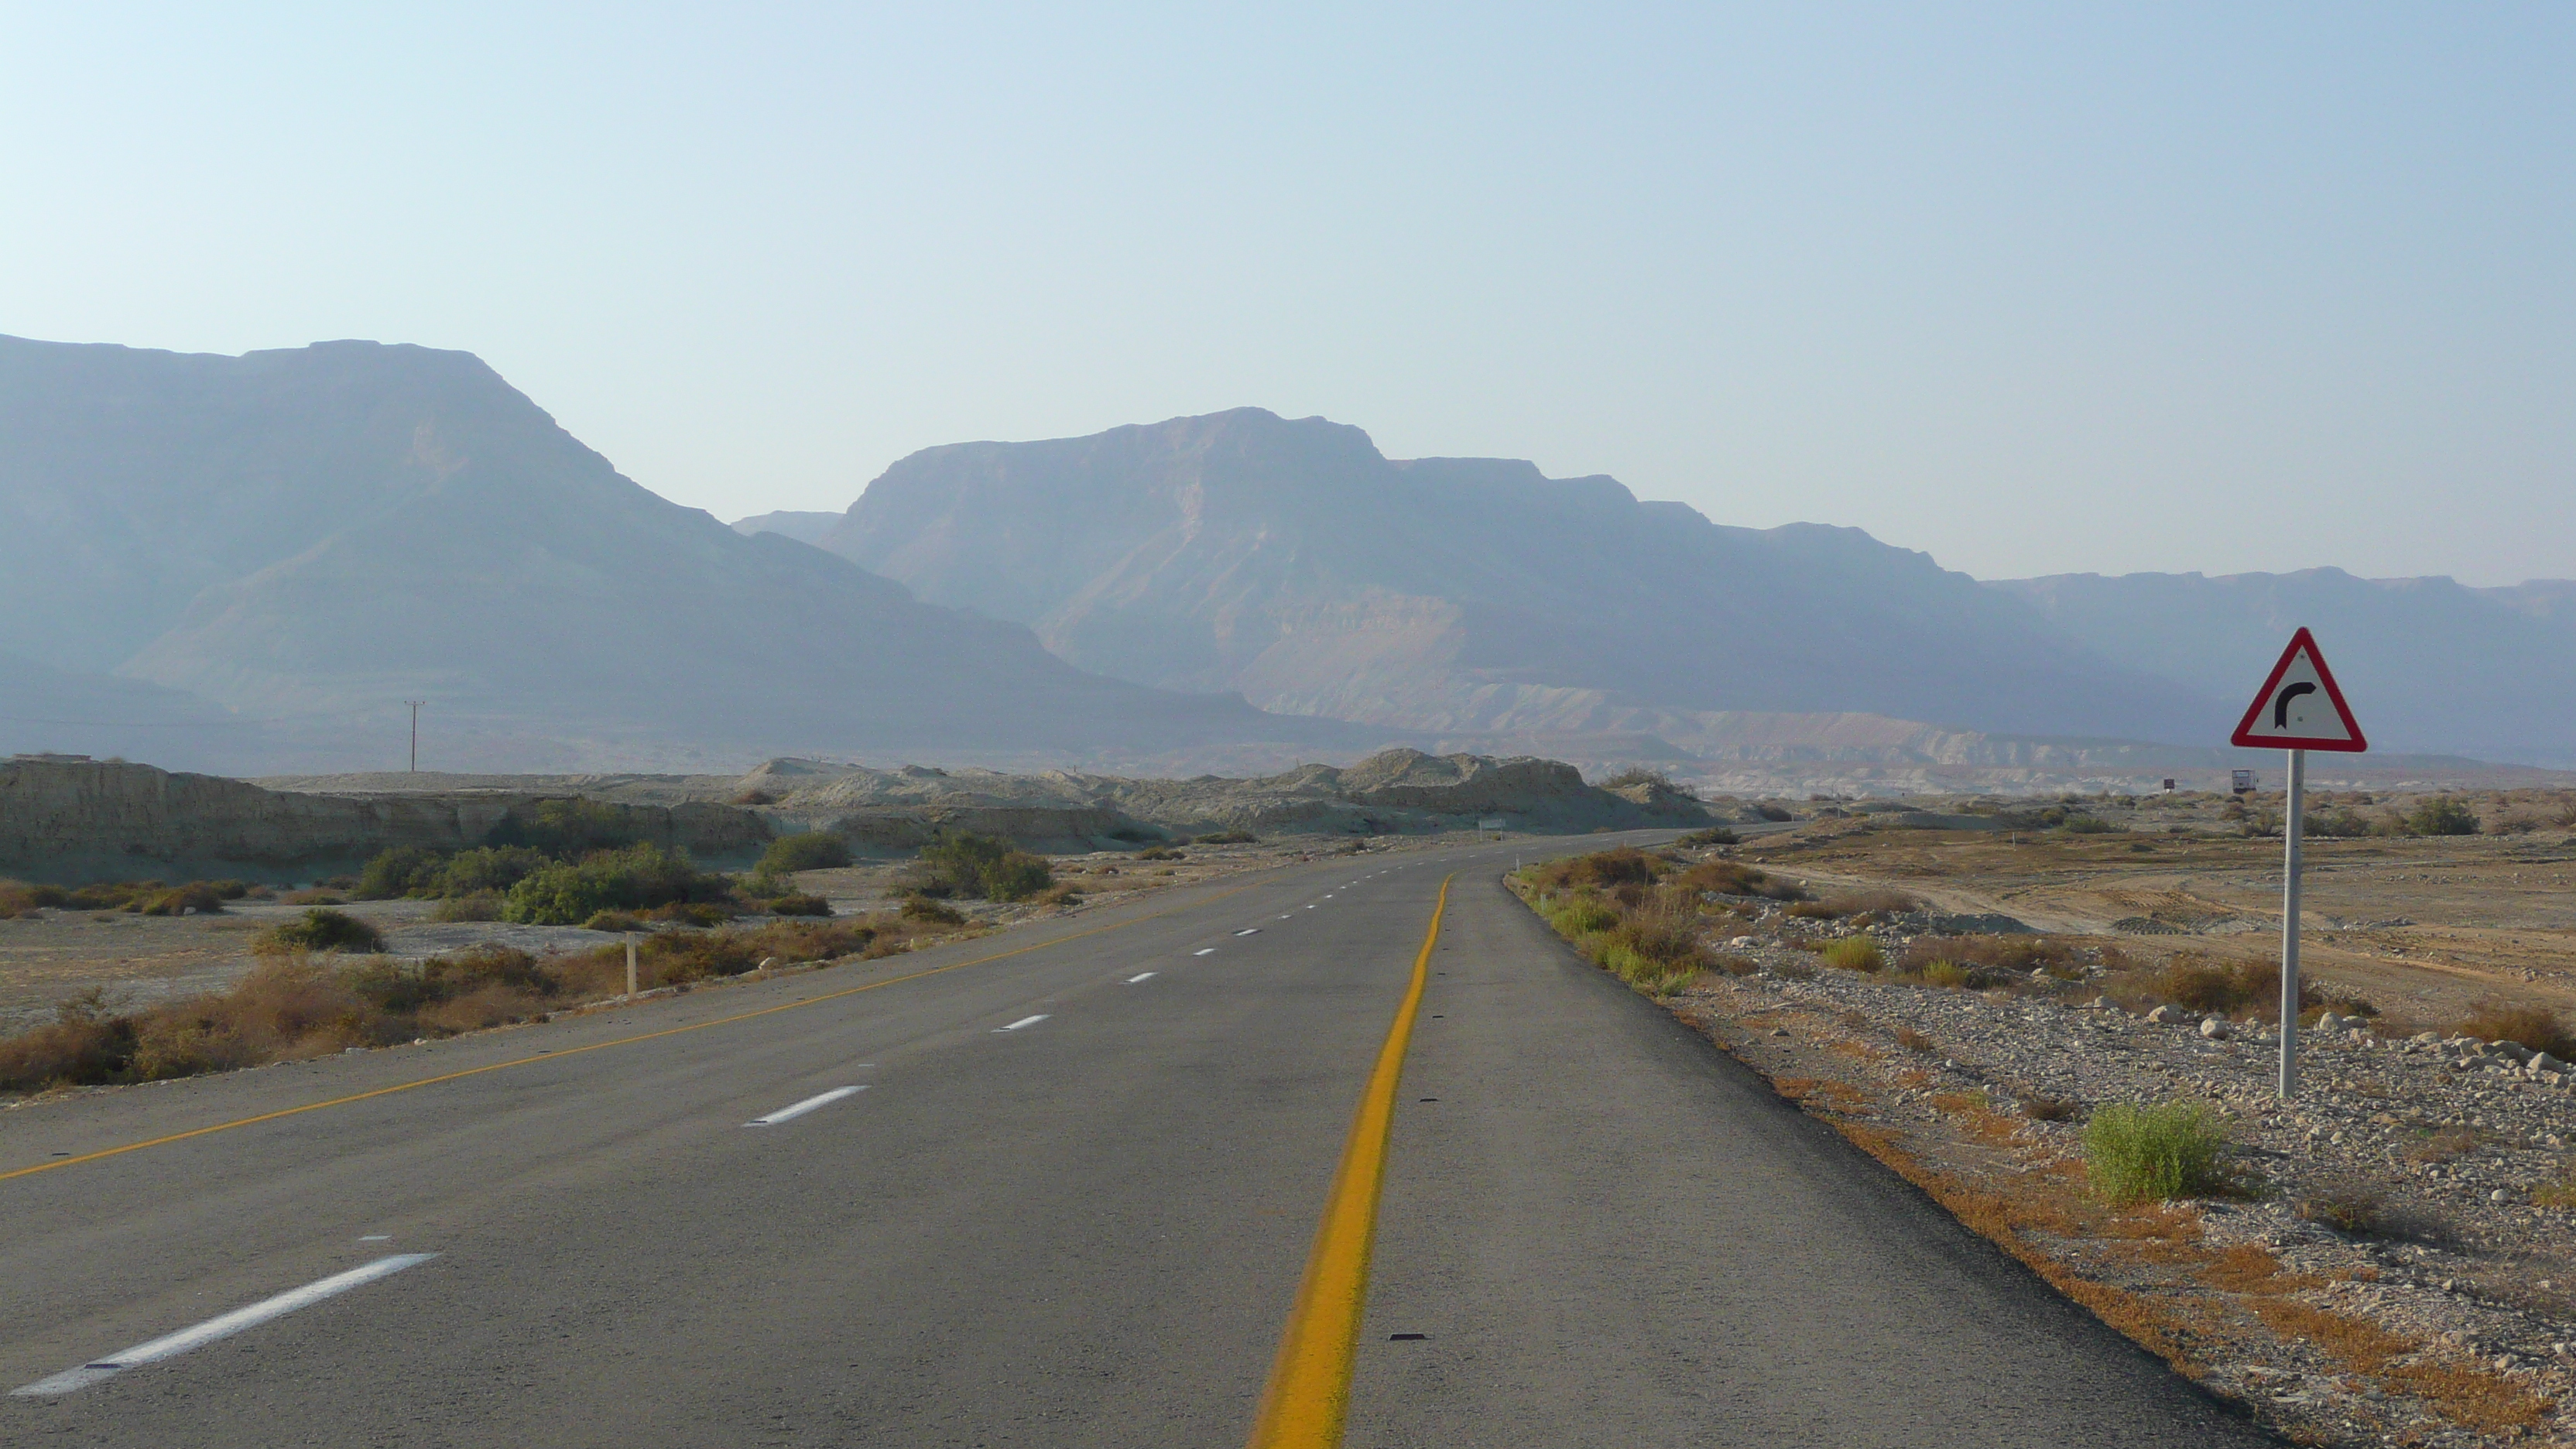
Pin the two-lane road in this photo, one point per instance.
(1054, 1187)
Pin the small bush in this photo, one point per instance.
(1160, 852)
(1230, 837)
(635, 878)
(1949, 974)
(923, 908)
(2088, 825)
(2040, 1107)
(204, 898)
(2153, 1153)
(323, 929)
(568, 829)
(2198, 984)
(1714, 835)
(800, 905)
(1853, 903)
(1773, 813)
(1731, 878)
(2441, 815)
(2352, 1209)
(1855, 953)
(2536, 1027)
(971, 865)
(402, 871)
(488, 870)
(812, 850)
(1581, 916)
(616, 922)
(480, 906)
(1912, 1040)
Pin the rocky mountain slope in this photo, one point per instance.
(1292, 561)
(324, 532)
(2428, 663)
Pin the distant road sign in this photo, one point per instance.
(2299, 707)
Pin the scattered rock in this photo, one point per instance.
(2214, 1027)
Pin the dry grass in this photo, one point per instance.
(1855, 903)
(299, 1004)
(2536, 1027)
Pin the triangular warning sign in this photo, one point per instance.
(2299, 707)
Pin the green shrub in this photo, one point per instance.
(1714, 835)
(638, 877)
(402, 871)
(1581, 916)
(966, 864)
(568, 829)
(488, 869)
(1946, 973)
(1855, 953)
(2087, 825)
(800, 905)
(812, 850)
(1230, 837)
(324, 929)
(2151, 1153)
(1160, 852)
(2442, 815)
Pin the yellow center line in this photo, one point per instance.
(1310, 1381)
(556, 1056)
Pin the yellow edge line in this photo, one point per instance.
(1310, 1381)
(556, 1056)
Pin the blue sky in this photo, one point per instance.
(2036, 289)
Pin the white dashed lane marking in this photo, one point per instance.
(799, 1109)
(174, 1344)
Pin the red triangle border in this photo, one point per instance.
(2301, 640)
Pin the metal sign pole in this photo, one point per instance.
(2290, 823)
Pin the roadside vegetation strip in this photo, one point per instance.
(556, 1056)
(1309, 1393)
(2109, 1219)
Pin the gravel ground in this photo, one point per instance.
(2429, 1152)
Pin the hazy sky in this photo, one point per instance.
(2036, 289)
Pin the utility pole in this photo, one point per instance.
(415, 732)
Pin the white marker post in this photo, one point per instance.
(2299, 709)
(630, 963)
(2290, 925)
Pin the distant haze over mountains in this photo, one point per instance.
(1293, 562)
(1290, 560)
(312, 536)
(239, 562)
(2429, 664)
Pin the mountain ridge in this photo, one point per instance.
(1292, 561)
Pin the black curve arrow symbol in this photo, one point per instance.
(2281, 704)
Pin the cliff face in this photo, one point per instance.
(71, 821)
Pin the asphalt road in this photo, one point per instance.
(1069, 1208)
